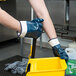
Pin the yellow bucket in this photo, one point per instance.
(53, 66)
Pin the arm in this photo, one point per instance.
(33, 27)
(42, 12)
(8, 21)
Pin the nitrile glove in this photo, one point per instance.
(17, 67)
(33, 28)
(21, 67)
(11, 66)
(57, 49)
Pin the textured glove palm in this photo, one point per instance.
(58, 51)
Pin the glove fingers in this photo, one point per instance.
(13, 71)
(6, 69)
(38, 20)
(7, 64)
(40, 25)
(58, 51)
(65, 56)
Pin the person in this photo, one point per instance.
(42, 13)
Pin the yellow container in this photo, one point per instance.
(53, 66)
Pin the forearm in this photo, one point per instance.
(9, 21)
(42, 12)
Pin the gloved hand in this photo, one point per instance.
(57, 49)
(59, 52)
(17, 67)
(31, 28)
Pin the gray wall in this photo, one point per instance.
(73, 13)
(23, 10)
(10, 7)
(56, 10)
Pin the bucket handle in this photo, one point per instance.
(28, 68)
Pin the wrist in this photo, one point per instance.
(53, 42)
(23, 26)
